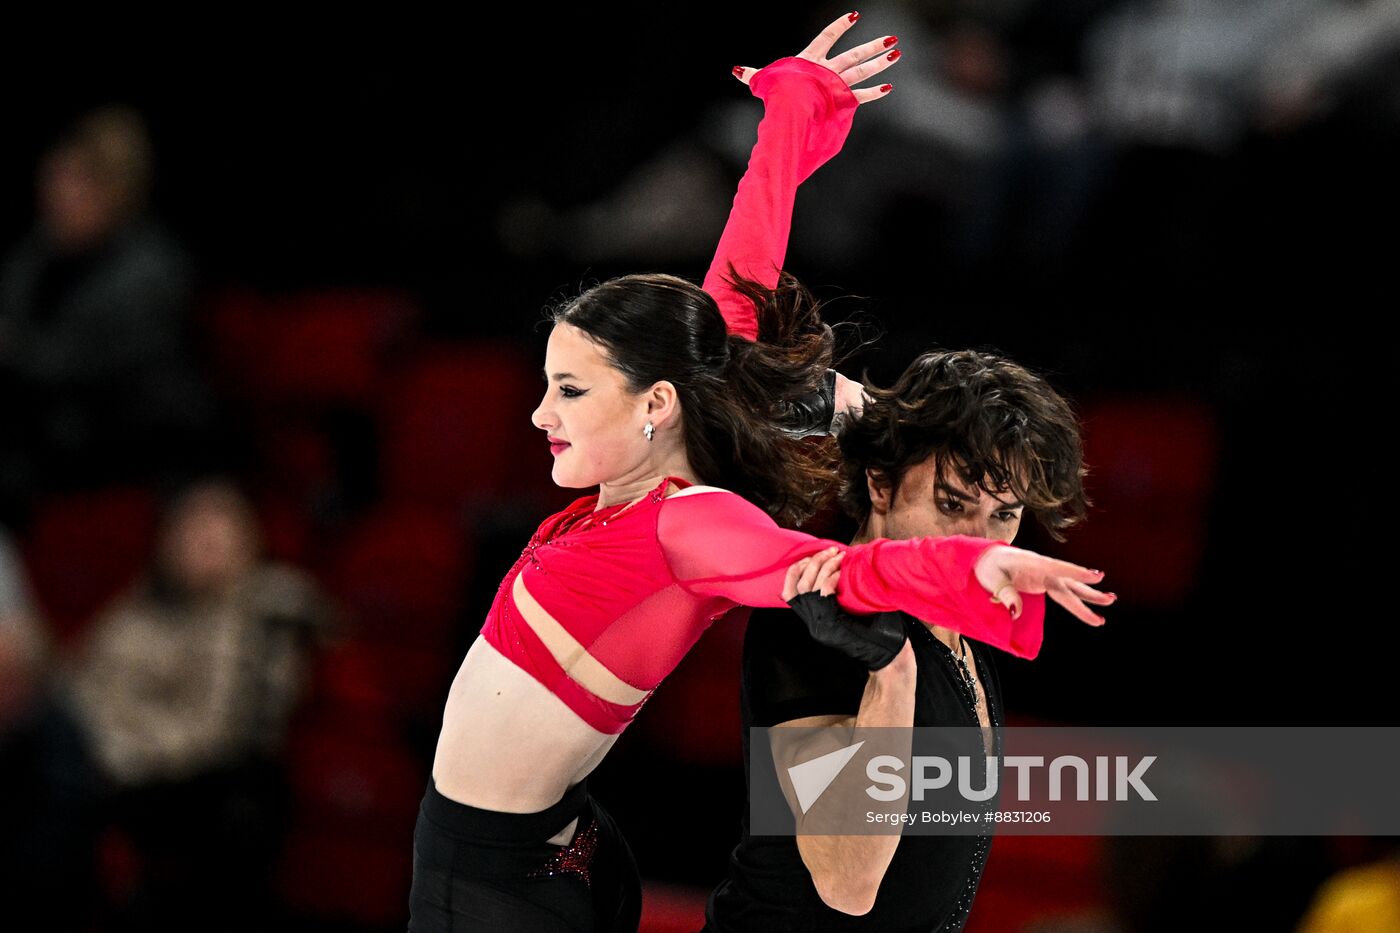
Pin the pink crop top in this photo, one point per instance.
(636, 587)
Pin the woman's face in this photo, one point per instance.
(592, 420)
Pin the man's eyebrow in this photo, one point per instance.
(943, 487)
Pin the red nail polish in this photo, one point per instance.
(886, 88)
(739, 71)
(893, 56)
(853, 17)
(890, 40)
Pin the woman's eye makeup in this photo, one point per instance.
(571, 392)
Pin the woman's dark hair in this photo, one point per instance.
(733, 392)
(991, 422)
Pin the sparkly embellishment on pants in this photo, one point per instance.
(576, 858)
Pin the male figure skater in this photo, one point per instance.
(964, 443)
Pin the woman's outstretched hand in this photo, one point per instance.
(855, 66)
(1006, 572)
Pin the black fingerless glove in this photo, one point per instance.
(872, 640)
(812, 414)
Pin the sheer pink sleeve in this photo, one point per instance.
(807, 114)
(719, 544)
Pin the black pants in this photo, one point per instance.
(484, 870)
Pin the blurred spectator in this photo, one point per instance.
(184, 689)
(94, 362)
(1196, 74)
(1180, 73)
(23, 644)
(988, 123)
(44, 792)
(200, 666)
(1358, 900)
(1343, 50)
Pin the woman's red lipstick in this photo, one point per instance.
(556, 446)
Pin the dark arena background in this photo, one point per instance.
(1182, 213)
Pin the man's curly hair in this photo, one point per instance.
(991, 422)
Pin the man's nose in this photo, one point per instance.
(976, 527)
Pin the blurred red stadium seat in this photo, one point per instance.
(316, 349)
(670, 908)
(337, 875)
(401, 572)
(286, 530)
(418, 678)
(1152, 467)
(694, 716)
(85, 548)
(297, 458)
(344, 776)
(349, 854)
(456, 427)
(348, 684)
(1031, 878)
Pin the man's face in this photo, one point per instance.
(926, 504)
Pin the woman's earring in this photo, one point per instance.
(649, 430)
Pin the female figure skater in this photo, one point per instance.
(649, 396)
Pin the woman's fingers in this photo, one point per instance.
(1089, 594)
(1027, 565)
(873, 53)
(821, 45)
(859, 73)
(865, 95)
(1061, 594)
(1004, 592)
(856, 65)
(1063, 568)
(1064, 582)
(1007, 595)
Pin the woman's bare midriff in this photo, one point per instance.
(507, 743)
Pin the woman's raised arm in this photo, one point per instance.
(809, 103)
